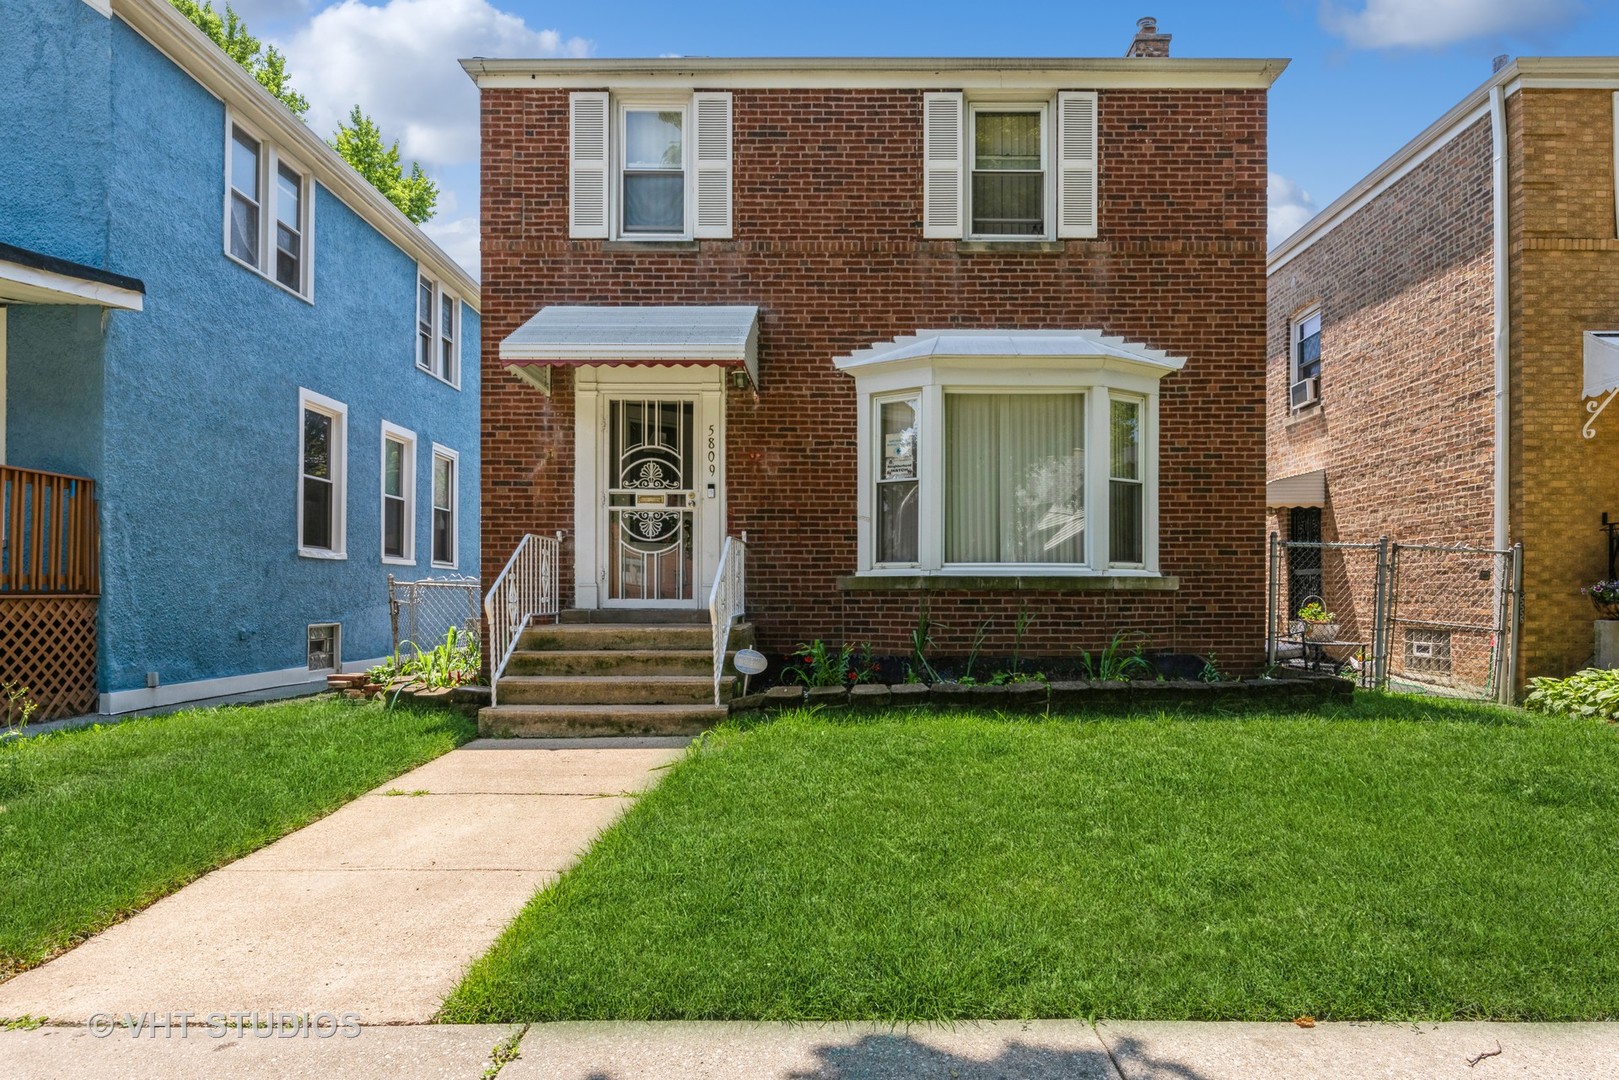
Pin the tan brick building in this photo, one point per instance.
(969, 337)
(1426, 338)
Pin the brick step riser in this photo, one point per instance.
(611, 692)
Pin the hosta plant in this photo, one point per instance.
(1592, 693)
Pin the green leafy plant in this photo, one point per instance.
(452, 662)
(1592, 693)
(1314, 611)
(921, 642)
(1114, 664)
(1211, 670)
(1019, 629)
(818, 664)
(360, 143)
(18, 706)
(265, 63)
(978, 643)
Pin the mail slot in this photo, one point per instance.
(649, 500)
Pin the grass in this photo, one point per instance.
(1394, 859)
(99, 822)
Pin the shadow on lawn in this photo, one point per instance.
(895, 1056)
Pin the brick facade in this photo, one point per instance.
(827, 242)
(1405, 429)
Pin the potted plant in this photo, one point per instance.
(1319, 623)
(1605, 598)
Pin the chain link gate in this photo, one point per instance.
(1418, 618)
(422, 612)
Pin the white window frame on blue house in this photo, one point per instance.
(309, 401)
(454, 508)
(407, 473)
(441, 335)
(271, 159)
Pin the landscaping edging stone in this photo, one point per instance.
(1062, 697)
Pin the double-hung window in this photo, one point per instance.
(1304, 359)
(649, 168)
(322, 475)
(1007, 196)
(438, 330)
(446, 467)
(268, 212)
(1039, 459)
(398, 494)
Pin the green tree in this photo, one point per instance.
(360, 143)
(264, 63)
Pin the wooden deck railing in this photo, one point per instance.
(49, 542)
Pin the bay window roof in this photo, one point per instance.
(1035, 348)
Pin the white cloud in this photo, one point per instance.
(1383, 24)
(458, 237)
(397, 61)
(1289, 206)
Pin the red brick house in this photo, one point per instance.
(1428, 338)
(966, 337)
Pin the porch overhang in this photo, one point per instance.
(31, 277)
(725, 336)
(1301, 489)
(1034, 349)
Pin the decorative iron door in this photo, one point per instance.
(650, 501)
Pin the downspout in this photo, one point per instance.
(1503, 328)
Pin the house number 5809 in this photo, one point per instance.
(711, 451)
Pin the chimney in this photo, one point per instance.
(1500, 62)
(1148, 41)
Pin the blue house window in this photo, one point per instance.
(268, 211)
(438, 330)
(446, 463)
(322, 476)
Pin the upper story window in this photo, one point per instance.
(997, 169)
(649, 169)
(1304, 359)
(268, 215)
(438, 330)
(322, 476)
(1007, 197)
(964, 471)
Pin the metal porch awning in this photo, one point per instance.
(564, 335)
(1300, 489)
(1601, 374)
(31, 277)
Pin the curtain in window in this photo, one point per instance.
(1008, 197)
(654, 180)
(1126, 497)
(1014, 478)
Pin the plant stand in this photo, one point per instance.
(1606, 632)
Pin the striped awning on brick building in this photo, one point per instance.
(660, 335)
(1300, 489)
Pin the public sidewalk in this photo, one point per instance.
(1008, 1050)
(375, 910)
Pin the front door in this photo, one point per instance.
(651, 502)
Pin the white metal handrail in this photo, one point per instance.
(725, 602)
(527, 587)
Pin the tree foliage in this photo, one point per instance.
(264, 62)
(360, 143)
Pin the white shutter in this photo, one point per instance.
(941, 150)
(587, 166)
(1076, 165)
(713, 162)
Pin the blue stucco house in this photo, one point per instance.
(238, 388)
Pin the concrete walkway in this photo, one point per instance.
(375, 910)
(1008, 1050)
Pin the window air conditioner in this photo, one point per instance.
(1305, 392)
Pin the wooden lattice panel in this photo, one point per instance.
(48, 644)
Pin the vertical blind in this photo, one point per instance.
(1014, 478)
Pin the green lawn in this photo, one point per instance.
(100, 822)
(1394, 859)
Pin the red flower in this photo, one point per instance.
(807, 660)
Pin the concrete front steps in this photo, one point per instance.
(617, 672)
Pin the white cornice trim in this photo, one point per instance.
(173, 35)
(852, 73)
(31, 285)
(1527, 72)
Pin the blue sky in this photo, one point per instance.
(1366, 75)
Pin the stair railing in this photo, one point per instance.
(725, 602)
(525, 589)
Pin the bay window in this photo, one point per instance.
(1013, 453)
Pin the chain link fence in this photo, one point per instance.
(422, 612)
(1420, 618)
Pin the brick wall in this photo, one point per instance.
(1565, 280)
(828, 243)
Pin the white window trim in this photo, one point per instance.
(337, 646)
(1048, 172)
(454, 458)
(408, 484)
(440, 293)
(309, 401)
(271, 157)
(928, 384)
(618, 147)
(1297, 320)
